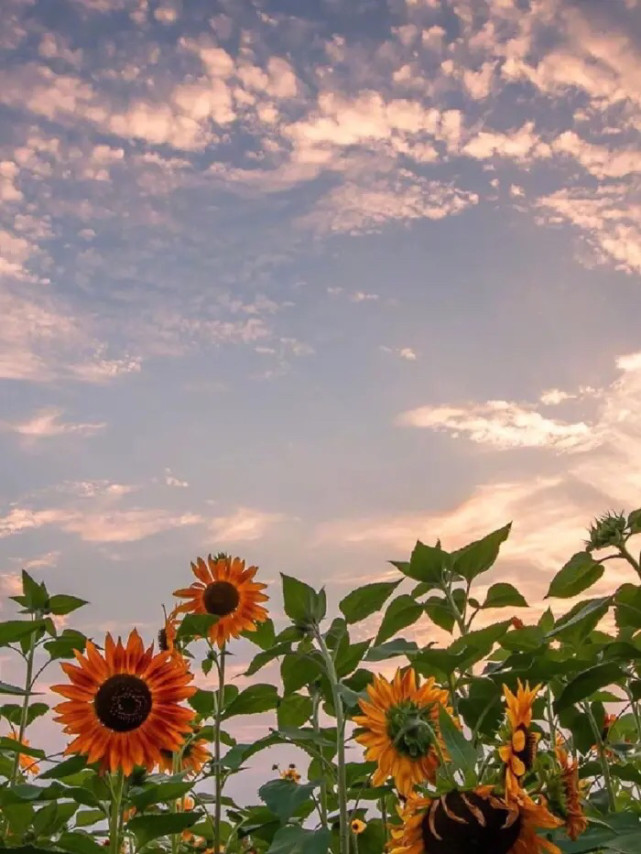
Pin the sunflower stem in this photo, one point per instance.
(218, 778)
(117, 783)
(174, 805)
(602, 757)
(625, 554)
(341, 783)
(322, 794)
(24, 714)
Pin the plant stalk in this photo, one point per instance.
(117, 786)
(602, 757)
(24, 714)
(218, 778)
(322, 794)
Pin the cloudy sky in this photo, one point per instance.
(309, 281)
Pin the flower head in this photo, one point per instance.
(399, 729)
(193, 755)
(575, 820)
(27, 763)
(123, 706)
(606, 530)
(227, 590)
(357, 826)
(290, 773)
(473, 821)
(519, 751)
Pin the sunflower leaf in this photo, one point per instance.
(196, 625)
(12, 631)
(62, 604)
(285, 797)
(149, 827)
(294, 839)
(366, 600)
(503, 595)
(302, 603)
(251, 701)
(462, 754)
(401, 612)
(579, 573)
(479, 556)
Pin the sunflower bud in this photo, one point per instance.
(608, 530)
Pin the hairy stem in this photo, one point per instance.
(24, 714)
(602, 757)
(322, 794)
(218, 771)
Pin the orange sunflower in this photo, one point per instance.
(123, 706)
(399, 726)
(476, 820)
(290, 773)
(227, 590)
(192, 757)
(167, 637)
(520, 751)
(575, 820)
(27, 763)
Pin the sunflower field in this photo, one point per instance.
(495, 734)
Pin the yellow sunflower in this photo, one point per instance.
(123, 706)
(192, 758)
(27, 763)
(357, 826)
(519, 752)
(477, 820)
(291, 773)
(227, 590)
(575, 820)
(399, 725)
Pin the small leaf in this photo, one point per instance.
(503, 595)
(264, 635)
(203, 702)
(302, 603)
(363, 601)
(634, 522)
(479, 556)
(196, 626)
(267, 655)
(65, 769)
(398, 646)
(427, 563)
(523, 640)
(579, 573)
(440, 612)
(12, 631)
(401, 612)
(251, 701)
(62, 604)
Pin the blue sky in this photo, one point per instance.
(309, 281)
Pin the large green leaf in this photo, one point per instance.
(580, 620)
(366, 600)
(67, 768)
(479, 556)
(504, 595)
(302, 603)
(461, 752)
(579, 573)
(149, 827)
(284, 797)
(251, 701)
(79, 843)
(349, 657)
(294, 839)
(427, 563)
(627, 606)
(12, 631)
(294, 710)
(195, 626)
(482, 709)
(63, 604)
(263, 636)
(299, 669)
(398, 646)
(587, 683)
(440, 612)
(524, 640)
(267, 655)
(156, 793)
(401, 612)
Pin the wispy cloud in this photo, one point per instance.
(47, 423)
(243, 524)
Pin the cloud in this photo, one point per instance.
(48, 422)
(408, 354)
(501, 424)
(243, 525)
(172, 480)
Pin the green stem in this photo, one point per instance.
(117, 786)
(635, 712)
(218, 778)
(174, 806)
(322, 794)
(602, 757)
(341, 783)
(25, 703)
(551, 723)
(460, 622)
(625, 554)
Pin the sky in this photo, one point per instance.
(307, 282)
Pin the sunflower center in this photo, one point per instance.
(409, 730)
(466, 823)
(123, 702)
(220, 598)
(524, 745)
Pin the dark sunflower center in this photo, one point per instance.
(466, 823)
(409, 730)
(220, 598)
(162, 640)
(123, 702)
(528, 754)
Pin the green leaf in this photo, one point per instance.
(427, 563)
(15, 690)
(203, 702)
(581, 619)
(398, 646)
(523, 640)
(293, 710)
(14, 746)
(12, 631)
(251, 701)
(65, 769)
(363, 601)
(149, 827)
(87, 818)
(627, 606)
(634, 522)
(349, 657)
(299, 669)
(264, 636)
(503, 595)
(401, 612)
(79, 843)
(65, 644)
(294, 839)
(440, 612)
(479, 556)
(63, 604)
(587, 683)
(437, 662)
(34, 592)
(284, 797)
(462, 754)
(13, 712)
(263, 658)
(579, 573)
(302, 603)
(482, 709)
(195, 626)
(157, 792)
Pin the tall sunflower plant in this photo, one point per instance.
(423, 722)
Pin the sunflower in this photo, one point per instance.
(575, 820)
(26, 762)
(400, 724)
(167, 637)
(227, 590)
(520, 751)
(193, 755)
(290, 773)
(123, 706)
(477, 820)
(357, 826)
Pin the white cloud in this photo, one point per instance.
(501, 424)
(408, 354)
(48, 422)
(244, 524)
(172, 480)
